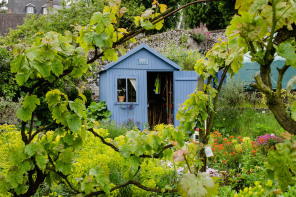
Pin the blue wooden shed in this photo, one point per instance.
(145, 87)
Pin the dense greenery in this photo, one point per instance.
(217, 15)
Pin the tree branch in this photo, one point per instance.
(155, 155)
(139, 185)
(103, 140)
(65, 177)
(31, 126)
(259, 85)
(211, 118)
(40, 130)
(23, 133)
(280, 79)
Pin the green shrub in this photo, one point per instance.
(183, 57)
(8, 111)
(233, 93)
(98, 112)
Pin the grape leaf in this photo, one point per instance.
(74, 122)
(57, 67)
(24, 114)
(96, 18)
(41, 161)
(111, 55)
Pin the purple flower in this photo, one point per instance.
(268, 140)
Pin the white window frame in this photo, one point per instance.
(116, 89)
(30, 10)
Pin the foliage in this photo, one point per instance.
(217, 15)
(281, 161)
(183, 57)
(201, 33)
(233, 93)
(245, 122)
(8, 86)
(274, 22)
(230, 153)
(8, 111)
(98, 111)
(266, 189)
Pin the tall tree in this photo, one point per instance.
(217, 15)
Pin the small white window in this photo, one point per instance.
(44, 10)
(30, 10)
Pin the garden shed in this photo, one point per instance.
(145, 87)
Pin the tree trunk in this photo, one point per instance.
(278, 108)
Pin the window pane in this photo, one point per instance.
(132, 90)
(121, 90)
(30, 10)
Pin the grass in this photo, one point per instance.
(246, 122)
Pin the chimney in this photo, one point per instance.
(49, 3)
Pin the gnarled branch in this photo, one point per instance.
(280, 78)
(155, 155)
(139, 185)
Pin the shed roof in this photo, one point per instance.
(138, 48)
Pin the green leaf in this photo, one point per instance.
(14, 178)
(24, 114)
(69, 139)
(147, 24)
(106, 19)
(257, 5)
(32, 148)
(125, 150)
(100, 28)
(96, 18)
(43, 68)
(63, 167)
(187, 187)
(22, 78)
(135, 162)
(78, 108)
(31, 102)
(24, 167)
(159, 25)
(41, 161)
(16, 63)
(57, 67)
(74, 122)
(53, 97)
(101, 40)
(111, 55)
(287, 50)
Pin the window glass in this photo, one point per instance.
(121, 90)
(30, 10)
(44, 10)
(132, 90)
(127, 90)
